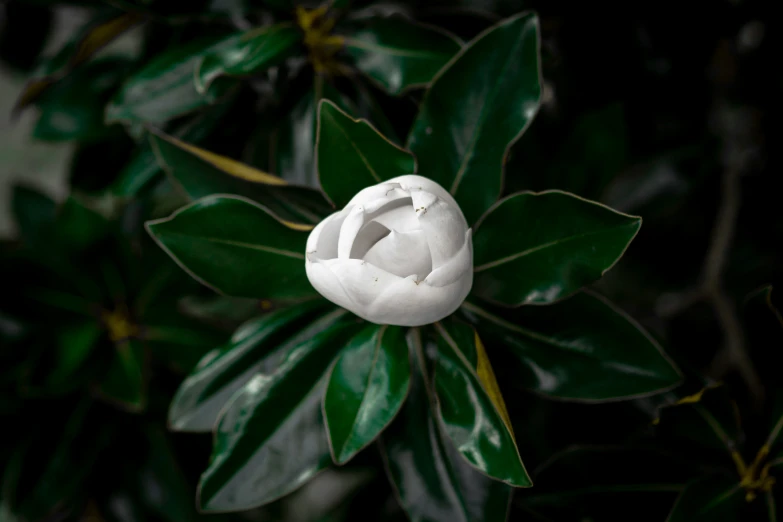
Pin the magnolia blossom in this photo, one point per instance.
(399, 253)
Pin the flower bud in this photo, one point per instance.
(399, 253)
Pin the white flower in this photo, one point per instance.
(399, 253)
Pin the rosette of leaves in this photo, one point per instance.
(310, 385)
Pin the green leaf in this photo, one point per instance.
(562, 243)
(352, 155)
(202, 173)
(255, 346)
(290, 147)
(95, 36)
(477, 107)
(471, 407)
(73, 108)
(399, 53)
(164, 88)
(124, 381)
(715, 498)
(143, 167)
(237, 247)
(582, 348)
(432, 480)
(251, 53)
(270, 439)
(366, 389)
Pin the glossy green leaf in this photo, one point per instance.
(201, 173)
(432, 480)
(254, 347)
(270, 439)
(473, 418)
(73, 108)
(582, 348)
(352, 155)
(366, 388)
(237, 247)
(124, 381)
(164, 88)
(559, 243)
(290, 148)
(478, 106)
(251, 53)
(370, 105)
(399, 53)
(715, 498)
(143, 167)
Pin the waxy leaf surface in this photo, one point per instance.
(476, 108)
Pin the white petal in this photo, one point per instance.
(362, 281)
(402, 254)
(411, 182)
(406, 303)
(401, 219)
(322, 241)
(350, 227)
(367, 237)
(383, 298)
(328, 285)
(453, 269)
(443, 224)
(361, 214)
(384, 190)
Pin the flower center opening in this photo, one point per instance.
(393, 240)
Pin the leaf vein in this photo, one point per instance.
(512, 257)
(364, 159)
(240, 244)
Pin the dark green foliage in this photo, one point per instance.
(164, 357)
